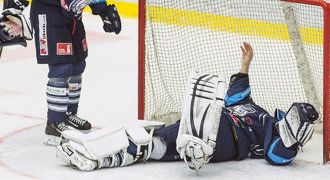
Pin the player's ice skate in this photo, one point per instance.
(78, 123)
(290, 40)
(54, 132)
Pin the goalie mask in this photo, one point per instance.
(298, 124)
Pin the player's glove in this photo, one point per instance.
(14, 28)
(111, 19)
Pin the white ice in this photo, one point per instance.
(109, 97)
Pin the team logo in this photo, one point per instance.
(64, 49)
(43, 39)
(242, 110)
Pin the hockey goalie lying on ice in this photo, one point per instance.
(215, 126)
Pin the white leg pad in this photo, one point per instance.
(200, 119)
(98, 144)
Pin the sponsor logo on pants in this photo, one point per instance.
(43, 39)
(63, 49)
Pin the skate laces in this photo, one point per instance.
(62, 127)
(77, 120)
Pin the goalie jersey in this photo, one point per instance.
(246, 130)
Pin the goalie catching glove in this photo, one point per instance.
(297, 126)
(204, 100)
(14, 28)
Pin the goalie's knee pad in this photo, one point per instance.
(277, 154)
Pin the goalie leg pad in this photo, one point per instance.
(109, 147)
(98, 144)
(204, 99)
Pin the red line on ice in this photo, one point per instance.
(3, 138)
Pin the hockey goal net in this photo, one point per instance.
(291, 62)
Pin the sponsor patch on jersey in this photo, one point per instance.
(64, 49)
(84, 44)
(43, 39)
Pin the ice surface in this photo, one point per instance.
(109, 96)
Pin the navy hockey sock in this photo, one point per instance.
(57, 99)
(74, 93)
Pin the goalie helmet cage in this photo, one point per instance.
(291, 40)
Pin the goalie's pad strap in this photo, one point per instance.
(185, 139)
(140, 133)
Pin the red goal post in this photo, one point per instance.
(326, 72)
(324, 4)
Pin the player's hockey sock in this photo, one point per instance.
(57, 99)
(74, 93)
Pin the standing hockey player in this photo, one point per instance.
(214, 126)
(61, 43)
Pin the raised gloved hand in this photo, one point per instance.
(111, 19)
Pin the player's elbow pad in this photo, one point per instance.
(236, 98)
(277, 154)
